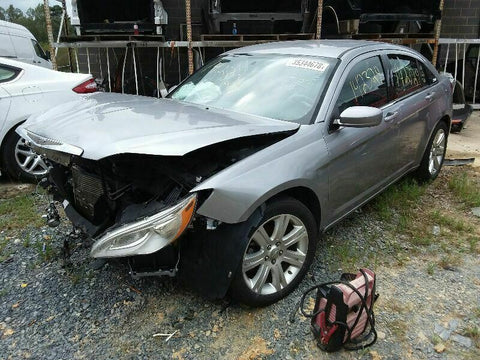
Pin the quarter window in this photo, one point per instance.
(364, 86)
(8, 73)
(408, 75)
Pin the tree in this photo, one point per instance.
(34, 19)
(13, 14)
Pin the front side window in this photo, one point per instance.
(38, 50)
(408, 75)
(365, 86)
(282, 87)
(8, 73)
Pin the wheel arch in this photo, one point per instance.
(5, 137)
(306, 196)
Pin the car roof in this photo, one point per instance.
(326, 48)
(11, 25)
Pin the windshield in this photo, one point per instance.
(275, 86)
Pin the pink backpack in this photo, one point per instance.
(343, 312)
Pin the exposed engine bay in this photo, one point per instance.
(127, 187)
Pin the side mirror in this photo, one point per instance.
(360, 116)
(49, 56)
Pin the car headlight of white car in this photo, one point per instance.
(147, 235)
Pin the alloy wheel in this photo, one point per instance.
(275, 254)
(437, 152)
(29, 161)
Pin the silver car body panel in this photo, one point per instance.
(109, 124)
(341, 167)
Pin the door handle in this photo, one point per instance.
(430, 96)
(391, 116)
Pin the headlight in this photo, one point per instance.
(148, 235)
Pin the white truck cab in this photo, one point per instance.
(17, 42)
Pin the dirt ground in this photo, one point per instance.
(422, 241)
(466, 144)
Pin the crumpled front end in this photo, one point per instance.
(137, 204)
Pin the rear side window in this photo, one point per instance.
(8, 73)
(408, 75)
(365, 85)
(6, 46)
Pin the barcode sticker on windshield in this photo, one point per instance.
(308, 64)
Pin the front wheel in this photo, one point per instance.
(20, 161)
(434, 156)
(278, 254)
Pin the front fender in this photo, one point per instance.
(298, 161)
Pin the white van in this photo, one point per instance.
(16, 42)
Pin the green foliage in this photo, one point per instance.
(465, 188)
(17, 212)
(34, 19)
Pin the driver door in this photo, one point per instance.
(362, 160)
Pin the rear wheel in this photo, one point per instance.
(20, 161)
(434, 156)
(278, 254)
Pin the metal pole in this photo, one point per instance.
(188, 13)
(476, 76)
(135, 69)
(123, 69)
(446, 58)
(319, 19)
(108, 72)
(64, 14)
(158, 72)
(438, 27)
(88, 61)
(48, 20)
(64, 6)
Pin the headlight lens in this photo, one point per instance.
(148, 235)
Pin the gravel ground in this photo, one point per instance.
(52, 312)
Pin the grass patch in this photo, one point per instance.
(431, 268)
(3, 292)
(465, 188)
(398, 199)
(450, 261)
(453, 224)
(474, 244)
(18, 212)
(473, 333)
(398, 328)
(45, 250)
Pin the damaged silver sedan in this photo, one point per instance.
(228, 182)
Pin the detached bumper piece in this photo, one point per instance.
(460, 116)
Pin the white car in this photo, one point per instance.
(17, 42)
(24, 90)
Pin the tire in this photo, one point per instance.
(272, 266)
(434, 155)
(20, 162)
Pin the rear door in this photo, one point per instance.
(414, 88)
(7, 74)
